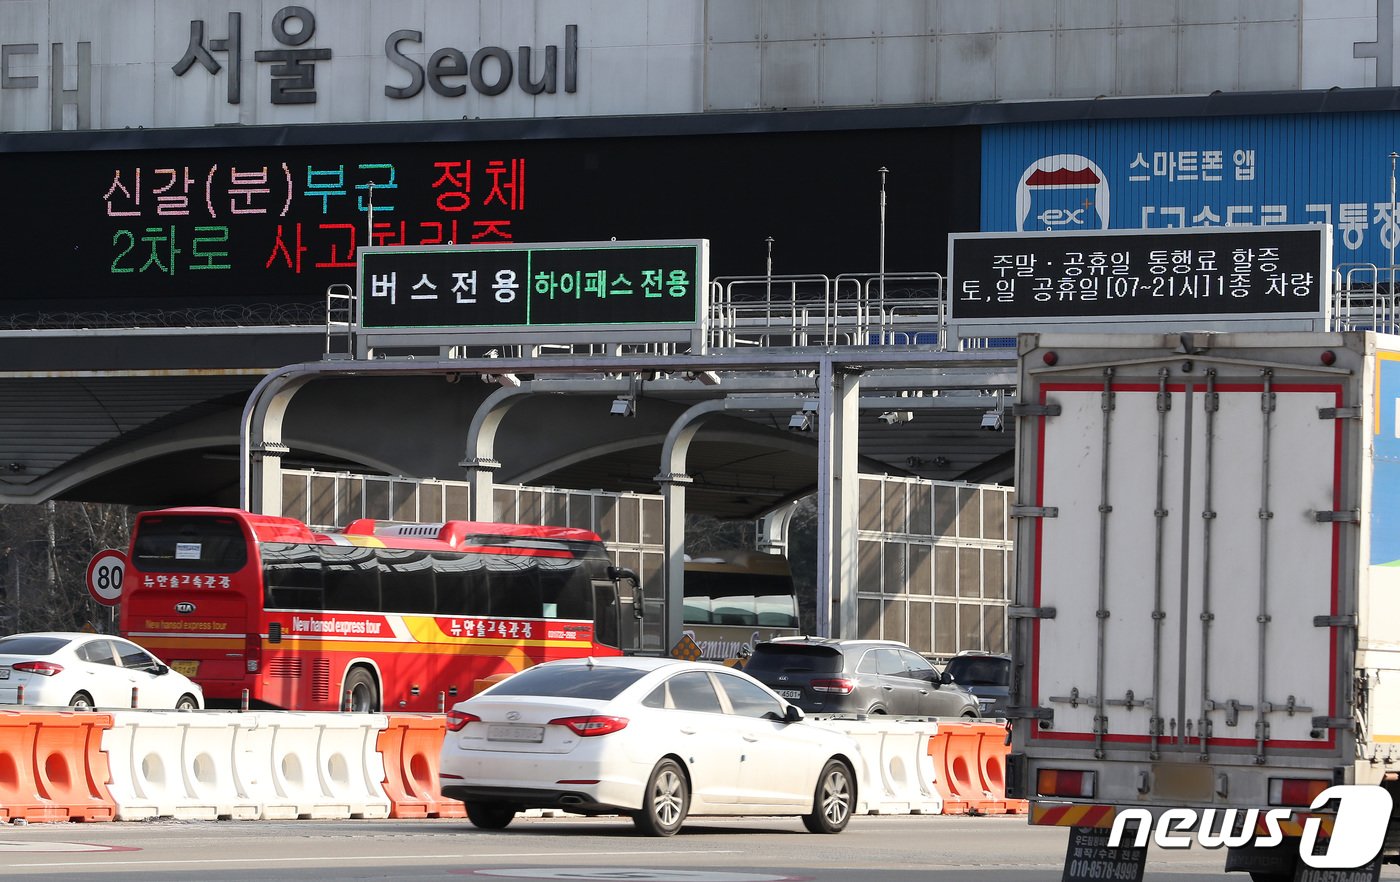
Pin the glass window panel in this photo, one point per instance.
(921, 509)
(868, 567)
(895, 611)
(894, 578)
(969, 572)
(921, 627)
(969, 513)
(945, 629)
(868, 614)
(969, 626)
(896, 507)
(945, 570)
(920, 570)
(870, 510)
(993, 513)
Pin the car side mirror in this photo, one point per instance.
(793, 714)
(162, 670)
(947, 679)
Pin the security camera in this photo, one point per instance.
(897, 416)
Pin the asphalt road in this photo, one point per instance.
(873, 849)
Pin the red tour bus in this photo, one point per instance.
(379, 616)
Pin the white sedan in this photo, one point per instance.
(653, 738)
(76, 669)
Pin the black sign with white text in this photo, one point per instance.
(553, 285)
(1216, 272)
(1089, 859)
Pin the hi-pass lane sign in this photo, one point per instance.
(560, 285)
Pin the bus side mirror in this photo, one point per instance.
(617, 574)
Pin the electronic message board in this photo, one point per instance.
(135, 222)
(1203, 278)
(634, 290)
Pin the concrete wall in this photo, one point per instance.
(108, 64)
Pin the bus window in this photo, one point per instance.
(564, 588)
(176, 544)
(292, 576)
(460, 584)
(514, 583)
(733, 598)
(351, 577)
(405, 581)
(605, 614)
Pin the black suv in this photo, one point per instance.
(825, 676)
(986, 675)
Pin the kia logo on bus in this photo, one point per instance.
(184, 608)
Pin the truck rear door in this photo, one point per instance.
(1184, 537)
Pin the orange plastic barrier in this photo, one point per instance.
(52, 767)
(411, 745)
(969, 761)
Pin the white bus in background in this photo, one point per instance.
(737, 598)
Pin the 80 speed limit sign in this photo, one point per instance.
(105, 575)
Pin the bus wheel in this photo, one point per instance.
(362, 691)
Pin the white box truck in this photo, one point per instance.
(1207, 591)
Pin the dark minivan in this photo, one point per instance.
(826, 676)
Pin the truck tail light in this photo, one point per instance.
(1065, 782)
(591, 725)
(458, 720)
(1295, 791)
(840, 685)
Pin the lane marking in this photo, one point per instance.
(364, 857)
(628, 874)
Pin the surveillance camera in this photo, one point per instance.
(897, 416)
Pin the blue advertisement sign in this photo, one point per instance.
(1199, 172)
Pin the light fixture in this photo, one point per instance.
(706, 378)
(897, 416)
(510, 381)
(991, 421)
(623, 405)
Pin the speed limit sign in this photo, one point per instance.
(105, 575)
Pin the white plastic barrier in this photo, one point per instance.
(313, 774)
(179, 765)
(894, 763)
(263, 765)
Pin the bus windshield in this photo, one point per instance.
(269, 611)
(734, 599)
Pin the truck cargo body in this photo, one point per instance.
(1207, 599)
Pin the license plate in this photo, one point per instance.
(525, 734)
(790, 694)
(188, 668)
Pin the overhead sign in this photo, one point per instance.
(544, 292)
(1269, 278)
(105, 574)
